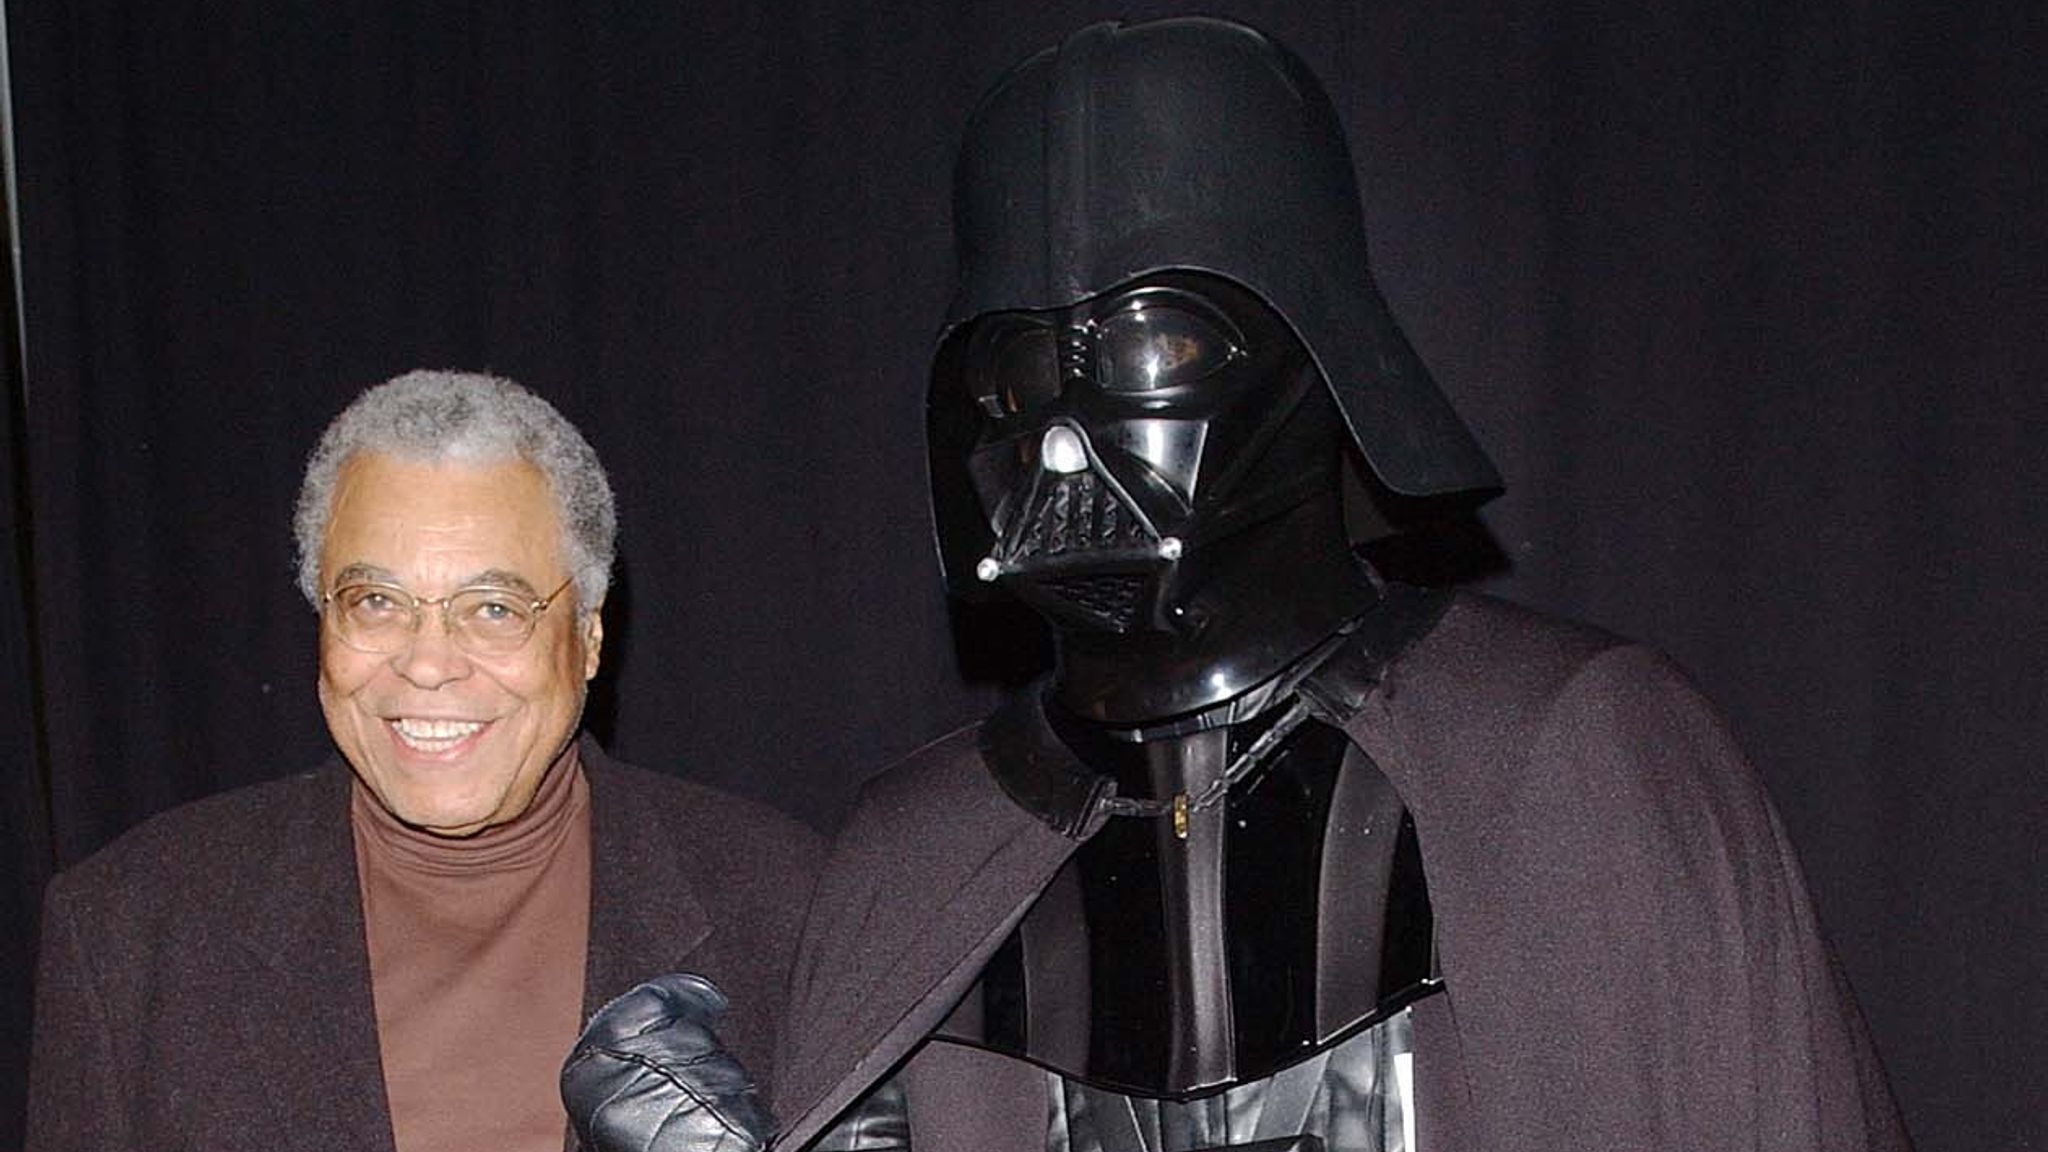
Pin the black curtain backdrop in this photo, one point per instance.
(1746, 299)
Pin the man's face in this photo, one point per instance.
(449, 741)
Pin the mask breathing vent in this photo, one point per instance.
(1111, 599)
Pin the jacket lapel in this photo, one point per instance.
(641, 905)
(302, 1003)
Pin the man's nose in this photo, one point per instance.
(433, 658)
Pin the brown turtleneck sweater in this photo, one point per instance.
(477, 949)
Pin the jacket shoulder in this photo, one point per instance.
(689, 801)
(721, 827)
(228, 832)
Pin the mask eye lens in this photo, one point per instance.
(1012, 365)
(1151, 345)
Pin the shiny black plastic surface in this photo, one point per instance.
(1170, 967)
(1178, 145)
(1154, 525)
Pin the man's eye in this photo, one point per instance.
(371, 604)
(491, 610)
(1158, 346)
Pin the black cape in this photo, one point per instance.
(1630, 955)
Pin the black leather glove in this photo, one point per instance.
(648, 1075)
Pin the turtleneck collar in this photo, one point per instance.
(525, 842)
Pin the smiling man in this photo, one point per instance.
(396, 950)
(453, 728)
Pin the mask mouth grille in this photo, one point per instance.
(1081, 553)
(1076, 514)
(1111, 599)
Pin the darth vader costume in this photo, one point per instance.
(1281, 855)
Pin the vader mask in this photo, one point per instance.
(1164, 343)
(1128, 439)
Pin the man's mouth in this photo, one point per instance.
(433, 735)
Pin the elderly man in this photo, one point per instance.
(396, 949)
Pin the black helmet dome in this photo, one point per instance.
(1203, 145)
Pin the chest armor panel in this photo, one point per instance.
(1179, 955)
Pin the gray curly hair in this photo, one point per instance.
(466, 416)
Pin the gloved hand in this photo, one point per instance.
(648, 1075)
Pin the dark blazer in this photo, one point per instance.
(204, 982)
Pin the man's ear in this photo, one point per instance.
(593, 639)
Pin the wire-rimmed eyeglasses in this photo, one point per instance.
(483, 621)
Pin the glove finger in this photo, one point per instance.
(656, 1004)
(629, 1102)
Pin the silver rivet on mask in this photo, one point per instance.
(1169, 547)
(1061, 451)
(988, 570)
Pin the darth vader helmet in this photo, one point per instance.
(1165, 334)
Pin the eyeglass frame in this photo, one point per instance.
(417, 605)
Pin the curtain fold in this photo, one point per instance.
(24, 785)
